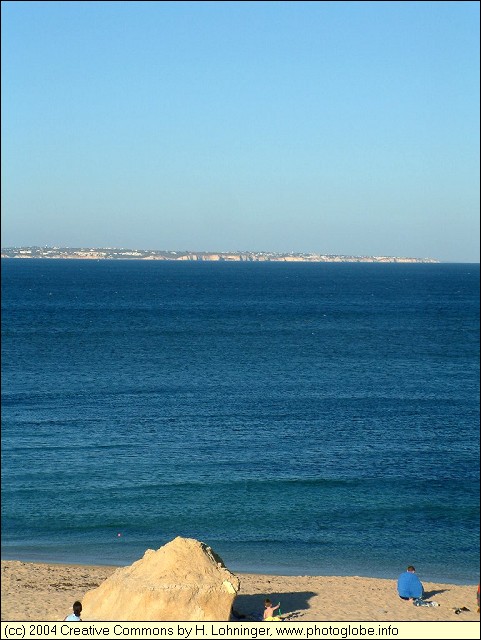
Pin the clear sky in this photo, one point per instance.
(326, 127)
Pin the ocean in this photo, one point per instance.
(299, 418)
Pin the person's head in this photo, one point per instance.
(411, 569)
(77, 608)
(267, 603)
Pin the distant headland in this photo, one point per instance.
(202, 256)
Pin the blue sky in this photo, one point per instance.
(331, 127)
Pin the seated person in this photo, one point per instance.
(77, 610)
(269, 611)
(409, 586)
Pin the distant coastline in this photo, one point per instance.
(198, 256)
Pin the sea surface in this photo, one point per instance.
(300, 418)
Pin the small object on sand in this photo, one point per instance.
(419, 602)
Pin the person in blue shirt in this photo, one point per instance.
(77, 610)
(409, 586)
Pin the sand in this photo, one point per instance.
(45, 592)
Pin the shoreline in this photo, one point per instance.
(239, 569)
(34, 591)
(103, 253)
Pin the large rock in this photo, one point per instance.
(183, 580)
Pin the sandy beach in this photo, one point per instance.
(34, 591)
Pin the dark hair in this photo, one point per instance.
(411, 568)
(267, 602)
(77, 608)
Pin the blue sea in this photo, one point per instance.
(299, 418)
